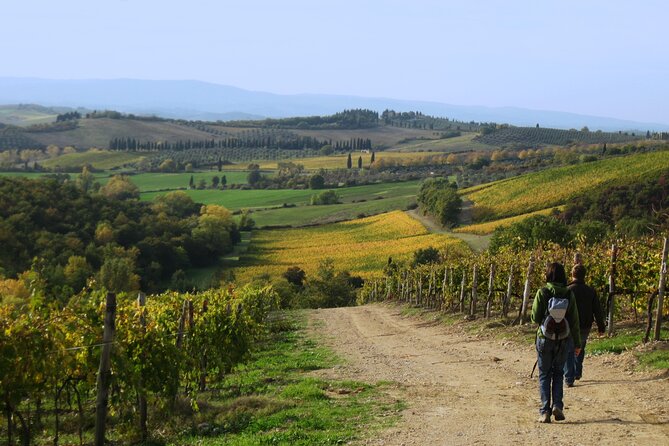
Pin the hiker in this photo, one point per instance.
(554, 310)
(589, 310)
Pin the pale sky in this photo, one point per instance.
(597, 57)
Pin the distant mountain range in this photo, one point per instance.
(195, 100)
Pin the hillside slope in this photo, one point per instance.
(553, 187)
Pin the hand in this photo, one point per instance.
(577, 351)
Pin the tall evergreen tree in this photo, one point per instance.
(349, 163)
(191, 183)
(372, 160)
(360, 162)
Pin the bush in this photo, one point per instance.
(330, 288)
(426, 256)
(327, 197)
(316, 182)
(534, 231)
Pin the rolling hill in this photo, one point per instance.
(201, 100)
(553, 187)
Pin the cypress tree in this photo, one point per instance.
(191, 183)
(360, 162)
(349, 163)
(372, 161)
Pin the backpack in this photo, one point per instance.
(555, 325)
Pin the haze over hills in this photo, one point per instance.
(207, 101)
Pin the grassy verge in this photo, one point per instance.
(275, 399)
(628, 337)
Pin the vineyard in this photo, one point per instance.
(359, 246)
(99, 159)
(12, 138)
(535, 136)
(553, 187)
(211, 156)
(628, 276)
(163, 349)
(489, 227)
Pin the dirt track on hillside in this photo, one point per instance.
(464, 389)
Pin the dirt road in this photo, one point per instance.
(464, 389)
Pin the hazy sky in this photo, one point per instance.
(600, 57)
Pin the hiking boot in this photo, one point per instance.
(545, 417)
(558, 414)
(577, 377)
(569, 384)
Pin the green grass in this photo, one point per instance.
(656, 359)
(623, 340)
(171, 181)
(630, 337)
(312, 215)
(273, 399)
(253, 199)
(23, 115)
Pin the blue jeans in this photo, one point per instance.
(551, 356)
(573, 367)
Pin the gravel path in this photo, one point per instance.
(464, 389)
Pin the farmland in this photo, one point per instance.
(356, 200)
(339, 161)
(553, 187)
(533, 136)
(466, 141)
(489, 227)
(359, 246)
(99, 159)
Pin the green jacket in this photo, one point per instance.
(540, 308)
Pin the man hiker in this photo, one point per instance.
(554, 310)
(589, 309)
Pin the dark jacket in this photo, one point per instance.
(589, 308)
(540, 309)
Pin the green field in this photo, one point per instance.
(314, 215)
(554, 187)
(24, 115)
(382, 197)
(170, 181)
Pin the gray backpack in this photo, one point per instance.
(555, 325)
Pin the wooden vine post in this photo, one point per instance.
(526, 291)
(491, 282)
(475, 278)
(612, 288)
(660, 292)
(143, 412)
(104, 372)
(182, 324)
(444, 289)
(509, 290)
(203, 360)
(462, 291)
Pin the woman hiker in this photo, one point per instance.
(554, 310)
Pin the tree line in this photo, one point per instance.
(61, 234)
(347, 119)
